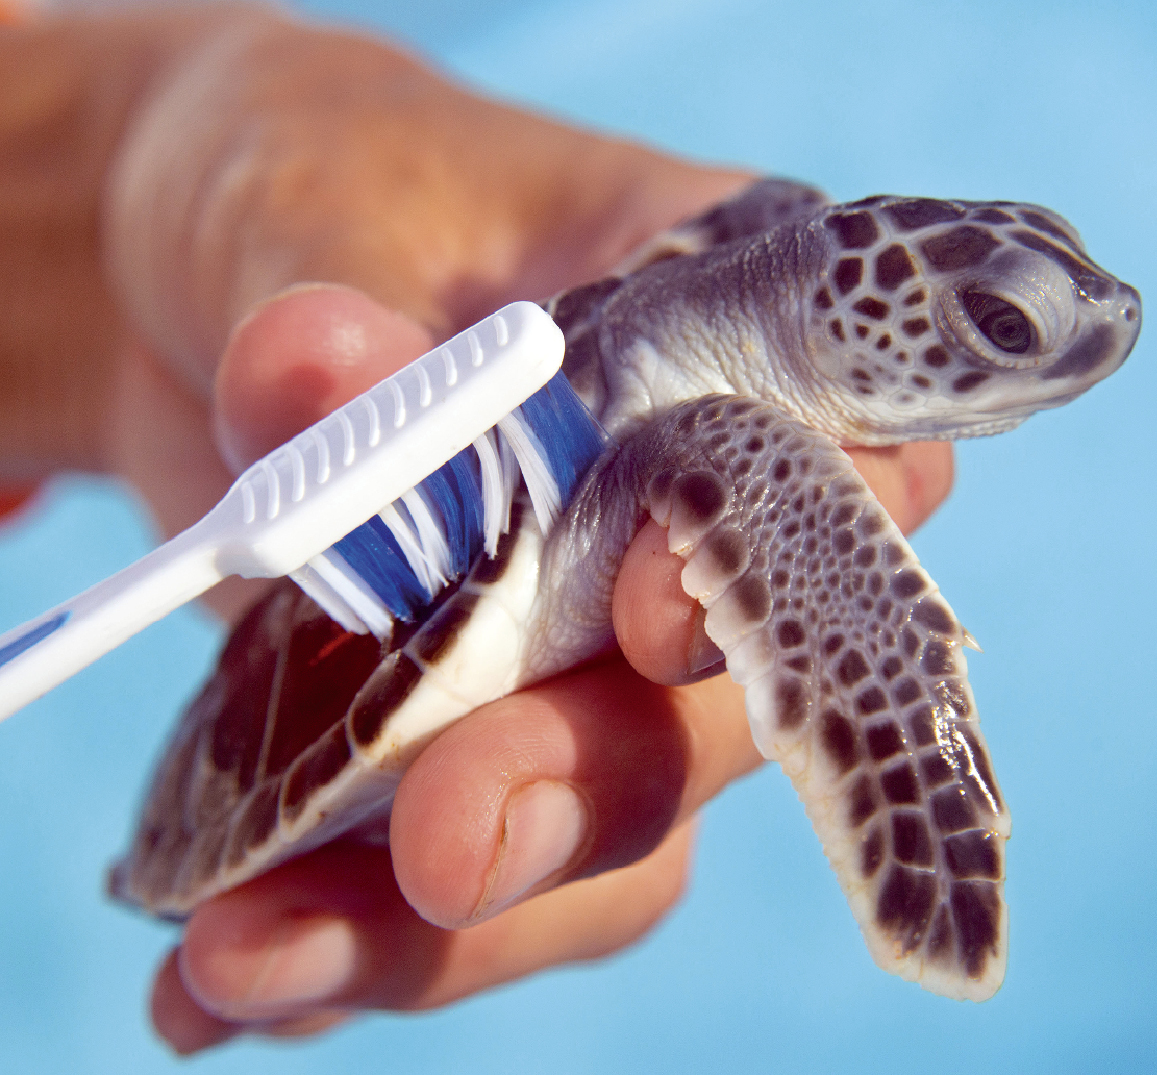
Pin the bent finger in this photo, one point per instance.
(659, 626)
(293, 951)
(583, 774)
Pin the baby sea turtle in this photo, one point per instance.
(727, 359)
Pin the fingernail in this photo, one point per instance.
(703, 653)
(304, 963)
(546, 824)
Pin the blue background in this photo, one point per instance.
(1044, 550)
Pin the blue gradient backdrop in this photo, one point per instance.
(1045, 550)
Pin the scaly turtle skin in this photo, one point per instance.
(728, 359)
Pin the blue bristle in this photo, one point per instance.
(570, 436)
(464, 472)
(375, 555)
(455, 493)
(564, 434)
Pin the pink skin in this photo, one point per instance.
(162, 315)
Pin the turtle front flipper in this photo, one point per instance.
(852, 665)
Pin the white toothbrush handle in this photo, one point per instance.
(36, 656)
(302, 497)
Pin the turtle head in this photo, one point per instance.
(953, 319)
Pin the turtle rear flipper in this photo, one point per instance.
(305, 729)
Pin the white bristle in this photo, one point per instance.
(425, 572)
(324, 594)
(511, 475)
(429, 534)
(540, 483)
(495, 505)
(347, 584)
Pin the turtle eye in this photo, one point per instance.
(1000, 322)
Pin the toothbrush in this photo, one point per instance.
(440, 444)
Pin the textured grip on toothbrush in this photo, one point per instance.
(381, 441)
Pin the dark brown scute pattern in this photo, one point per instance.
(952, 810)
(849, 273)
(244, 679)
(862, 802)
(880, 732)
(893, 267)
(754, 598)
(872, 855)
(1090, 350)
(884, 741)
(900, 785)
(392, 682)
(256, 822)
(441, 630)
(701, 495)
(870, 307)
(911, 840)
(992, 216)
(1088, 279)
(766, 204)
(907, 901)
(940, 937)
(323, 667)
(976, 912)
(965, 247)
(839, 740)
(936, 357)
(1043, 223)
(855, 231)
(489, 569)
(206, 852)
(914, 213)
(317, 766)
(852, 668)
(730, 550)
(966, 382)
(791, 702)
(973, 854)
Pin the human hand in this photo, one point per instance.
(208, 184)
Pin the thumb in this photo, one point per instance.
(298, 356)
